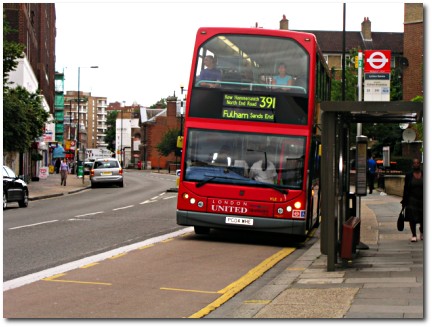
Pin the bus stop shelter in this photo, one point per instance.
(337, 204)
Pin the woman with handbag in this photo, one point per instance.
(412, 199)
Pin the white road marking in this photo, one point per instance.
(31, 225)
(24, 280)
(170, 197)
(89, 214)
(123, 208)
(148, 201)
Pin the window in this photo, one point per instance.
(236, 158)
(242, 62)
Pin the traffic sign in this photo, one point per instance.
(377, 61)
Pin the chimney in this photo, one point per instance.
(283, 23)
(366, 29)
(171, 106)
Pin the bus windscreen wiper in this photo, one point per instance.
(212, 177)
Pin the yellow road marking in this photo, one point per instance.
(117, 256)
(54, 279)
(185, 290)
(145, 247)
(89, 265)
(295, 268)
(235, 287)
(168, 240)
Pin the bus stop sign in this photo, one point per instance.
(377, 61)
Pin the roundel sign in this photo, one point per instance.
(377, 61)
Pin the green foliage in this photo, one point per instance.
(111, 130)
(384, 135)
(24, 119)
(161, 104)
(168, 143)
(396, 85)
(24, 116)
(351, 81)
(419, 126)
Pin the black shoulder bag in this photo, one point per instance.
(401, 220)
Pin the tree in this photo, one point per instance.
(161, 104)
(111, 130)
(168, 143)
(418, 126)
(382, 134)
(24, 116)
(350, 81)
(24, 119)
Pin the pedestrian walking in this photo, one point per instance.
(412, 199)
(371, 165)
(64, 169)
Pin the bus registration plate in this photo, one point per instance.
(239, 221)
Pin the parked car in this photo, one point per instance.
(14, 189)
(106, 171)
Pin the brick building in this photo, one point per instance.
(413, 47)
(413, 66)
(331, 43)
(155, 123)
(35, 25)
(92, 119)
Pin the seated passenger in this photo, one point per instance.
(211, 73)
(282, 78)
(263, 171)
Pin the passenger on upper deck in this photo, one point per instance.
(282, 78)
(210, 73)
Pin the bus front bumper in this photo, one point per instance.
(271, 225)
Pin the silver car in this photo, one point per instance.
(106, 171)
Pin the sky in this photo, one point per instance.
(143, 49)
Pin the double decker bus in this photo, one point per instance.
(250, 155)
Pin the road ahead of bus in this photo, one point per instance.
(163, 277)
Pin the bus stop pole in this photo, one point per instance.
(359, 125)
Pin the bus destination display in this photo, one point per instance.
(248, 107)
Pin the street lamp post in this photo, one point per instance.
(121, 136)
(181, 109)
(70, 118)
(78, 125)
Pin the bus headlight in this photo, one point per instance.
(288, 208)
(297, 205)
(192, 201)
(200, 204)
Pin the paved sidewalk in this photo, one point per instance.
(385, 281)
(50, 187)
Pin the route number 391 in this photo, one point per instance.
(268, 102)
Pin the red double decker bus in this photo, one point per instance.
(250, 157)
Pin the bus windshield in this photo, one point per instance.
(251, 62)
(244, 159)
